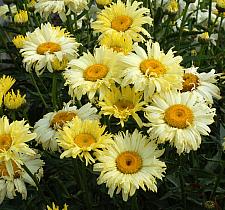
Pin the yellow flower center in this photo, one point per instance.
(117, 49)
(129, 162)
(61, 118)
(84, 140)
(5, 142)
(49, 47)
(121, 23)
(124, 104)
(95, 72)
(152, 67)
(4, 172)
(190, 82)
(178, 116)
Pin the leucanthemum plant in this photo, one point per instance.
(13, 177)
(122, 103)
(48, 127)
(54, 207)
(180, 119)
(126, 19)
(129, 164)
(202, 84)
(44, 45)
(83, 138)
(152, 70)
(91, 74)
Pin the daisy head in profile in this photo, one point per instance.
(180, 119)
(129, 164)
(125, 19)
(46, 44)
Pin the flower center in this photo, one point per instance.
(129, 162)
(49, 47)
(152, 67)
(190, 82)
(4, 172)
(121, 23)
(95, 72)
(84, 140)
(5, 142)
(124, 104)
(61, 118)
(178, 116)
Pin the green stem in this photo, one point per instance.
(81, 174)
(54, 90)
(38, 90)
(34, 178)
(134, 203)
(210, 11)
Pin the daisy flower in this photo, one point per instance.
(14, 101)
(81, 138)
(117, 42)
(130, 163)
(152, 70)
(124, 19)
(61, 7)
(179, 118)
(54, 207)
(6, 82)
(44, 45)
(13, 139)
(122, 103)
(201, 84)
(13, 177)
(47, 127)
(93, 73)
(18, 41)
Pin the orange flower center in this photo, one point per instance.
(152, 67)
(61, 118)
(84, 140)
(190, 82)
(124, 104)
(121, 23)
(95, 72)
(49, 47)
(178, 116)
(5, 142)
(129, 162)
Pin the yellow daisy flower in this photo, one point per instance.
(152, 70)
(130, 163)
(47, 127)
(180, 118)
(21, 17)
(201, 84)
(117, 42)
(124, 19)
(54, 207)
(102, 3)
(122, 103)
(14, 101)
(220, 5)
(40, 49)
(6, 82)
(80, 138)
(18, 41)
(13, 139)
(13, 177)
(93, 73)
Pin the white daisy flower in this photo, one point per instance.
(152, 70)
(47, 127)
(202, 84)
(13, 177)
(180, 118)
(130, 163)
(46, 44)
